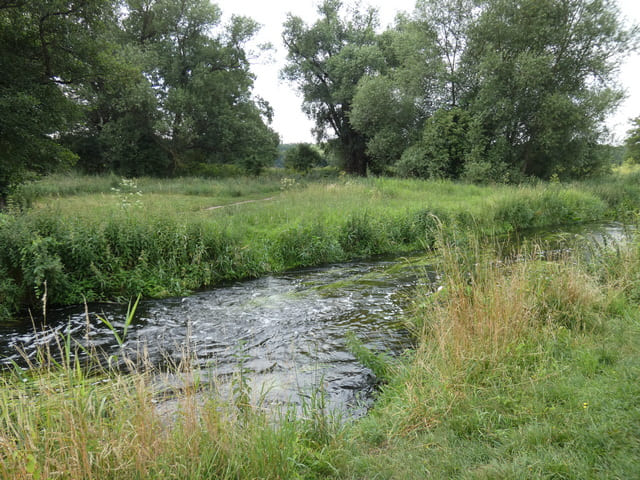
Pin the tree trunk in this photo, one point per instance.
(354, 151)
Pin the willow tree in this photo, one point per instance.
(326, 60)
(544, 81)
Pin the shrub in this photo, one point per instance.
(413, 162)
(302, 158)
(300, 246)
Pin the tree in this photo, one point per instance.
(542, 81)
(47, 51)
(529, 82)
(632, 142)
(302, 158)
(424, 75)
(121, 124)
(326, 60)
(447, 23)
(183, 99)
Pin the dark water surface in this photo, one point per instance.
(287, 331)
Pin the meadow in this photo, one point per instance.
(71, 239)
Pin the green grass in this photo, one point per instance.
(523, 369)
(103, 238)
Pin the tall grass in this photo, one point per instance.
(521, 370)
(166, 240)
(523, 367)
(69, 419)
(66, 185)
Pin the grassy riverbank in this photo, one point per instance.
(524, 369)
(520, 371)
(105, 238)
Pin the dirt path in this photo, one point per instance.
(240, 203)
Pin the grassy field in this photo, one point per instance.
(98, 238)
(524, 369)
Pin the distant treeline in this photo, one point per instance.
(477, 89)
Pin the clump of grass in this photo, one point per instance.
(520, 370)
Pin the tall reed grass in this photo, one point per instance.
(161, 238)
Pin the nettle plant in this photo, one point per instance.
(128, 193)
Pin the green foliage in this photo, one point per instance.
(444, 148)
(302, 158)
(11, 295)
(162, 237)
(360, 236)
(548, 206)
(383, 116)
(136, 88)
(380, 364)
(519, 369)
(421, 227)
(537, 405)
(413, 163)
(47, 51)
(632, 142)
(536, 65)
(511, 89)
(305, 245)
(326, 60)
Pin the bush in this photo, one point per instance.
(444, 148)
(301, 246)
(215, 170)
(413, 162)
(302, 158)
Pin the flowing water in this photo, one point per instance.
(287, 332)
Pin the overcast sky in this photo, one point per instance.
(293, 126)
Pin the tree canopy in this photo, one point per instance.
(456, 89)
(510, 88)
(132, 86)
(48, 51)
(326, 60)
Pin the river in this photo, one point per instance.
(287, 332)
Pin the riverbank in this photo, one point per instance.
(521, 369)
(103, 238)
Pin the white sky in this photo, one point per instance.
(293, 126)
